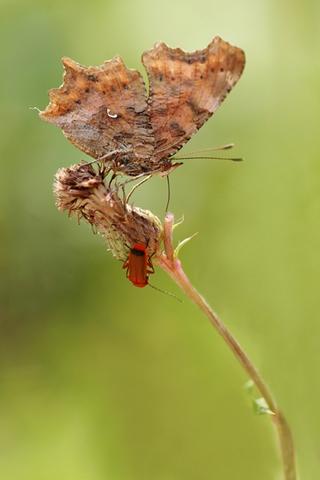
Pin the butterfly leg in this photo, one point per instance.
(136, 186)
(136, 177)
(114, 175)
(104, 157)
(124, 199)
(91, 162)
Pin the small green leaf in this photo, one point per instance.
(261, 407)
(179, 222)
(181, 244)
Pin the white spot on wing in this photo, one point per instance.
(110, 114)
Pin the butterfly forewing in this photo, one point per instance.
(187, 88)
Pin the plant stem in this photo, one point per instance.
(172, 265)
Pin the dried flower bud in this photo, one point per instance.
(82, 191)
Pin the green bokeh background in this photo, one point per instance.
(100, 380)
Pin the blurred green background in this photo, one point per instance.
(100, 380)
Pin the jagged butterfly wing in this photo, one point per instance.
(187, 88)
(102, 109)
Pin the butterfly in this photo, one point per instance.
(105, 110)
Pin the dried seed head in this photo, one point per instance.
(81, 191)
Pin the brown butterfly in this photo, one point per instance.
(106, 113)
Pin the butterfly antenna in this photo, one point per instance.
(197, 154)
(232, 159)
(169, 193)
(227, 146)
(165, 292)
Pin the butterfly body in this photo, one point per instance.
(135, 167)
(105, 111)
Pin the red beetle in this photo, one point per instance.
(138, 265)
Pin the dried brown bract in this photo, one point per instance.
(81, 191)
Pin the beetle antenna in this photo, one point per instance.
(165, 292)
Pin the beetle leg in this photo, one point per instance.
(150, 267)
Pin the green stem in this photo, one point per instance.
(173, 267)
